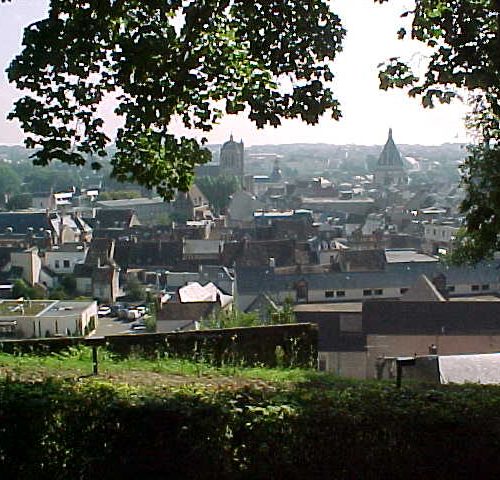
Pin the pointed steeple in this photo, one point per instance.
(231, 138)
(390, 156)
(276, 175)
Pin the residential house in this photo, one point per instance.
(191, 205)
(192, 303)
(62, 259)
(116, 218)
(98, 276)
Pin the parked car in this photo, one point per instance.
(128, 314)
(138, 329)
(136, 325)
(133, 314)
(104, 311)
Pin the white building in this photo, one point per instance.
(63, 258)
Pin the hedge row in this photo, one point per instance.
(58, 430)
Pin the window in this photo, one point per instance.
(450, 288)
(66, 263)
(475, 288)
(486, 286)
(403, 290)
(378, 291)
(329, 294)
(340, 293)
(367, 293)
(56, 264)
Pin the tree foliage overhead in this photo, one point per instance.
(465, 37)
(164, 59)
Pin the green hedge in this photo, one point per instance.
(58, 430)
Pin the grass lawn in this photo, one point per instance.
(77, 362)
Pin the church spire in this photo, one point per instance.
(390, 133)
(231, 138)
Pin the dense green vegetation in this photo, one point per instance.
(218, 190)
(194, 61)
(302, 425)
(77, 361)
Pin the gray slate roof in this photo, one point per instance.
(390, 156)
(255, 280)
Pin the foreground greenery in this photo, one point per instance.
(315, 426)
(193, 61)
(77, 361)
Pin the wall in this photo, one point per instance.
(345, 364)
(54, 256)
(296, 343)
(84, 285)
(30, 262)
(56, 324)
(410, 345)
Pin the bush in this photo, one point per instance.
(56, 430)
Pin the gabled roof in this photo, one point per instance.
(101, 252)
(120, 217)
(390, 156)
(423, 291)
(194, 292)
(19, 222)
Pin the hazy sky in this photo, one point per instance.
(367, 112)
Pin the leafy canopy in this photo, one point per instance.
(164, 59)
(465, 37)
(218, 190)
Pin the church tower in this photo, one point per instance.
(232, 158)
(390, 169)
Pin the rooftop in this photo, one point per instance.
(129, 202)
(405, 256)
(42, 308)
(333, 201)
(68, 247)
